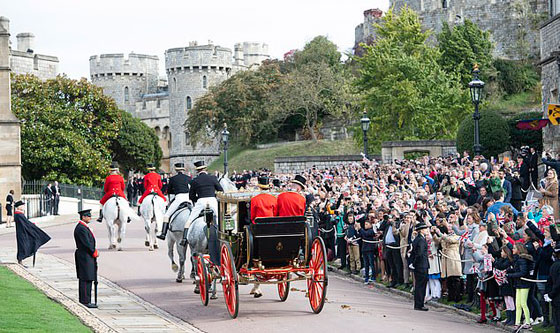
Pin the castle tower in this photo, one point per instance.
(126, 80)
(191, 71)
(365, 32)
(254, 53)
(10, 150)
(25, 42)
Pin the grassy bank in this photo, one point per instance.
(246, 158)
(24, 308)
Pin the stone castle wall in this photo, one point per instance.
(299, 164)
(24, 59)
(191, 71)
(365, 32)
(550, 76)
(513, 24)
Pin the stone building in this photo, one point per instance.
(513, 24)
(365, 32)
(10, 149)
(550, 72)
(24, 60)
(164, 103)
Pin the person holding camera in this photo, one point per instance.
(391, 242)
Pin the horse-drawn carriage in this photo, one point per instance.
(273, 250)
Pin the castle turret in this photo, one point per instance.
(191, 71)
(255, 53)
(125, 79)
(238, 54)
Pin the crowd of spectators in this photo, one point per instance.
(492, 238)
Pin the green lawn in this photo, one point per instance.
(247, 158)
(24, 308)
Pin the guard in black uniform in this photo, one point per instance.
(203, 193)
(86, 258)
(179, 186)
(420, 265)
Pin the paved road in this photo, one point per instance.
(350, 305)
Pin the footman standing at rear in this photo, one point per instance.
(420, 265)
(292, 202)
(86, 258)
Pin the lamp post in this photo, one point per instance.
(225, 141)
(475, 87)
(365, 127)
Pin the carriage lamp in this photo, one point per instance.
(365, 127)
(225, 140)
(475, 88)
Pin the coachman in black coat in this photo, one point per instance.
(29, 237)
(420, 265)
(85, 257)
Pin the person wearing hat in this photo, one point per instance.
(419, 264)
(203, 193)
(152, 183)
(179, 186)
(29, 237)
(263, 204)
(292, 202)
(553, 288)
(114, 186)
(85, 258)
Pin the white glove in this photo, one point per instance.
(411, 266)
(544, 154)
(546, 298)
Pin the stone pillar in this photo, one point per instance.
(10, 147)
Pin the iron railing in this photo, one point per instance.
(40, 204)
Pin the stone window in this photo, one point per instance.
(36, 63)
(158, 131)
(444, 4)
(204, 82)
(165, 132)
(158, 103)
(169, 143)
(143, 105)
(189, 103)
(553, 96)
(187, 139)
(126, 94)
(174, 88)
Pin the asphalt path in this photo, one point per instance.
(350, 305)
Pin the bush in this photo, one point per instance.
(494, 134)
(520, 138)
(515, 77)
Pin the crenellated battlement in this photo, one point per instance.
(198, 57)
(118, 64)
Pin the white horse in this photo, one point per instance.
(116, 213)
(174, 236)
(152, 210)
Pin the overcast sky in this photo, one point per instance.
(74, 30)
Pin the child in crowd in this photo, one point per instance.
(368, 248)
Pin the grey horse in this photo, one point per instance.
(174, 236)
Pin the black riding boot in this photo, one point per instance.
(100, 218)
(163, 231)
(184, 240)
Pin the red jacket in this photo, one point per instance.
(152, 183)
(263, 205)
(114, 184)
(291, 204)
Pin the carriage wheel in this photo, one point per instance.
(203, 282)
(317, 283)
(229, 280)
(284, 288)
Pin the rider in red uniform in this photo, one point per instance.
(292, 203)
(263, 204)
(114, 185)
(152, 183)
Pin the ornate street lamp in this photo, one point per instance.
(475, 87)
(365, 127)
(225, 141)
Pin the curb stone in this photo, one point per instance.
(410, 296)
(77, 310)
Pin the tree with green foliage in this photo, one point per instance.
(136, 144)
(494, 134)
(67, 128)
(521, 138)
(462, 46)
(406, 92)
(515, 77)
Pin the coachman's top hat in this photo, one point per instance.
(114, 166)
(300, 180)
(179, 166)
(264, 182)
(199, 165)
(151, 167)
(19, 203)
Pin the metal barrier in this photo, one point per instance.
(40, 202)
